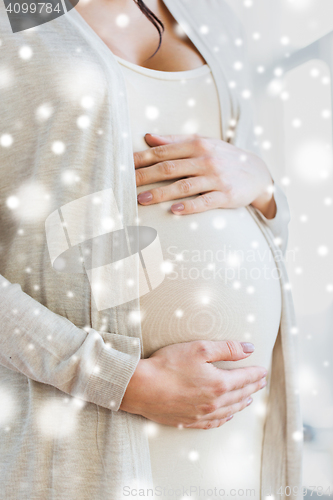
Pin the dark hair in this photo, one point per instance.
(153, 19)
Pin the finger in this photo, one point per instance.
(238, 378)
(170, 169)
(226, 412)
(157, 139)
(222, 350)
(172, 151)
(228, 401)
(184, 187)
(204, 202)
(186, 148)
(232, 398)
(208, 424)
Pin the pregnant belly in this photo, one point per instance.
(221, 282)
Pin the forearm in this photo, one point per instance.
(48, 348)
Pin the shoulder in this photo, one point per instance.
(217, 13)
(220, 26)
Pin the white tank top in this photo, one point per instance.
(222, 284)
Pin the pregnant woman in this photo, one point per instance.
(160, 385)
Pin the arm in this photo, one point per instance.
(48, 348)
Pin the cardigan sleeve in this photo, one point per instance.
(243, 136)
(48, 348)
(279, 224)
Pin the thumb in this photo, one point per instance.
(227, 350)
(156, 140)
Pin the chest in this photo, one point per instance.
(134, 38)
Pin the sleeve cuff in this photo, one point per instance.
(113, 370)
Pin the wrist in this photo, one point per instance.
(265, 203)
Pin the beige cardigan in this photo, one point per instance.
(65, 365)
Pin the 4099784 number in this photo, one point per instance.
(32, 8)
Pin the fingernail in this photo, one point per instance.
(247, 347)
(144, 197)
(249, 401)
(263, 383)
(154, 135)
(229, 418)
(178, 207)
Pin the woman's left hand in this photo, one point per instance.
(223, 175)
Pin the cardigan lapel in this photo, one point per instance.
(282, 447)
(190, 18)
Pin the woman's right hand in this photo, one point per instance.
(179, 386)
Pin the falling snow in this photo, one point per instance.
(304, 169)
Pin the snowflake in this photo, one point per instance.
(166, 267)
(58, 147)
(83, 121)
(44, 112)
(122, 20)
(204, 29)
(193, 455)
(152, 112)
(87, 102)
(25, 52)
(285, 40)
(6, 140)
(322, 250)
(296, 123)
(250, 318)
(12, 202)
